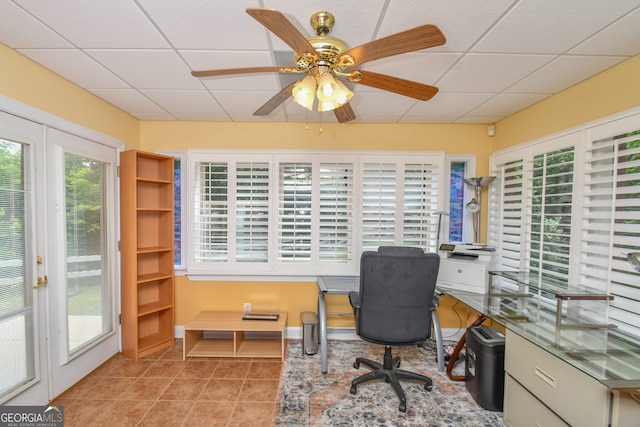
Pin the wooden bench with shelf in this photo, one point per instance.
(226, 334)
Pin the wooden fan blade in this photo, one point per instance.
(278, 24)
(344, 113)
(397, 85)
(417, 38)
(228, 71)
(278, 99)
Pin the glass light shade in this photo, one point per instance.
(328, 105)
(328, 89)
(304, 92)
(345, 94)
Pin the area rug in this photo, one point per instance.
(309, 398)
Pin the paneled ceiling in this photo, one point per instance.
(500, 56)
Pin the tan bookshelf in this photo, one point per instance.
(146, 249)
(226, 334)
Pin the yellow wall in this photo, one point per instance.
(612, 91)
(25, 81)
(294, 298)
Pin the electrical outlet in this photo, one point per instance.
(247, 307)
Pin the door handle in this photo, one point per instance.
(41, 282)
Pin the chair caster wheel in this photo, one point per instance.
(353, 389)
(356, 365)
(403, 407)
(428, 387)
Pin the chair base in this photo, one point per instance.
(390, 371)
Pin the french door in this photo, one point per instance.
(58, 281)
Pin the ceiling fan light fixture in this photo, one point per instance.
(328, 89)
(345, 94)
(304, 92)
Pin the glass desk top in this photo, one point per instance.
(607, 354)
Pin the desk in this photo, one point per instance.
(344, 285)
(605, 358)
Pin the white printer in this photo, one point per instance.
(465, 267)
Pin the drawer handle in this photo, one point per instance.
(545, 377)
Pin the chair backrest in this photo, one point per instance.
(397, 284)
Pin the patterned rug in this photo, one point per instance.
(308, 398)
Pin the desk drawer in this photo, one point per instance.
(521, 408)
(573, 395)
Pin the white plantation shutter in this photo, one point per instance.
(399, 198)
(336, 213)
(379, 189)
(612, 222)
(211, 212)
(506, 213)
(252, 212)
(306, 213)
(294, 212)
(421, 195)
(549, 216)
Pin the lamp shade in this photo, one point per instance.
(304, 92)
(328, 89)
(345, 94)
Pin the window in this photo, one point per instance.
(568, 208)
(306, 213)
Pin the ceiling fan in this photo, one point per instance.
(325, 60)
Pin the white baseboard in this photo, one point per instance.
(338, 334)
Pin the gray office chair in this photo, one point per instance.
(393, 308)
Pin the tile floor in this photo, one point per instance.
(163, 390)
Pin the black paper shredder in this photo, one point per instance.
(484, 366)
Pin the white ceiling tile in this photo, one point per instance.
(446, 104)
(76, 66)
(203, 117)
(490, 73)
(184, 101)
(478, 119)
(428, 119)
(21, 30)
(129, 100)
(506, 103)
(461, 21)
(98, 24)
(241, 103)
(148, 69)
(530, 27)
(155, 116)
(381, 103)
(563, 72)
(206, 24)
(620, 38)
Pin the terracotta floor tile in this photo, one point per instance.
(232, 369)
(198, 369)
(221, 390)
(167, 413)
(164, 368)
(251, 413)
(128, 368)
(123, 413)
(259, 390)
(146, 389)
(209, 414)
(184, 389)
(265, 370)
(110, 388)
